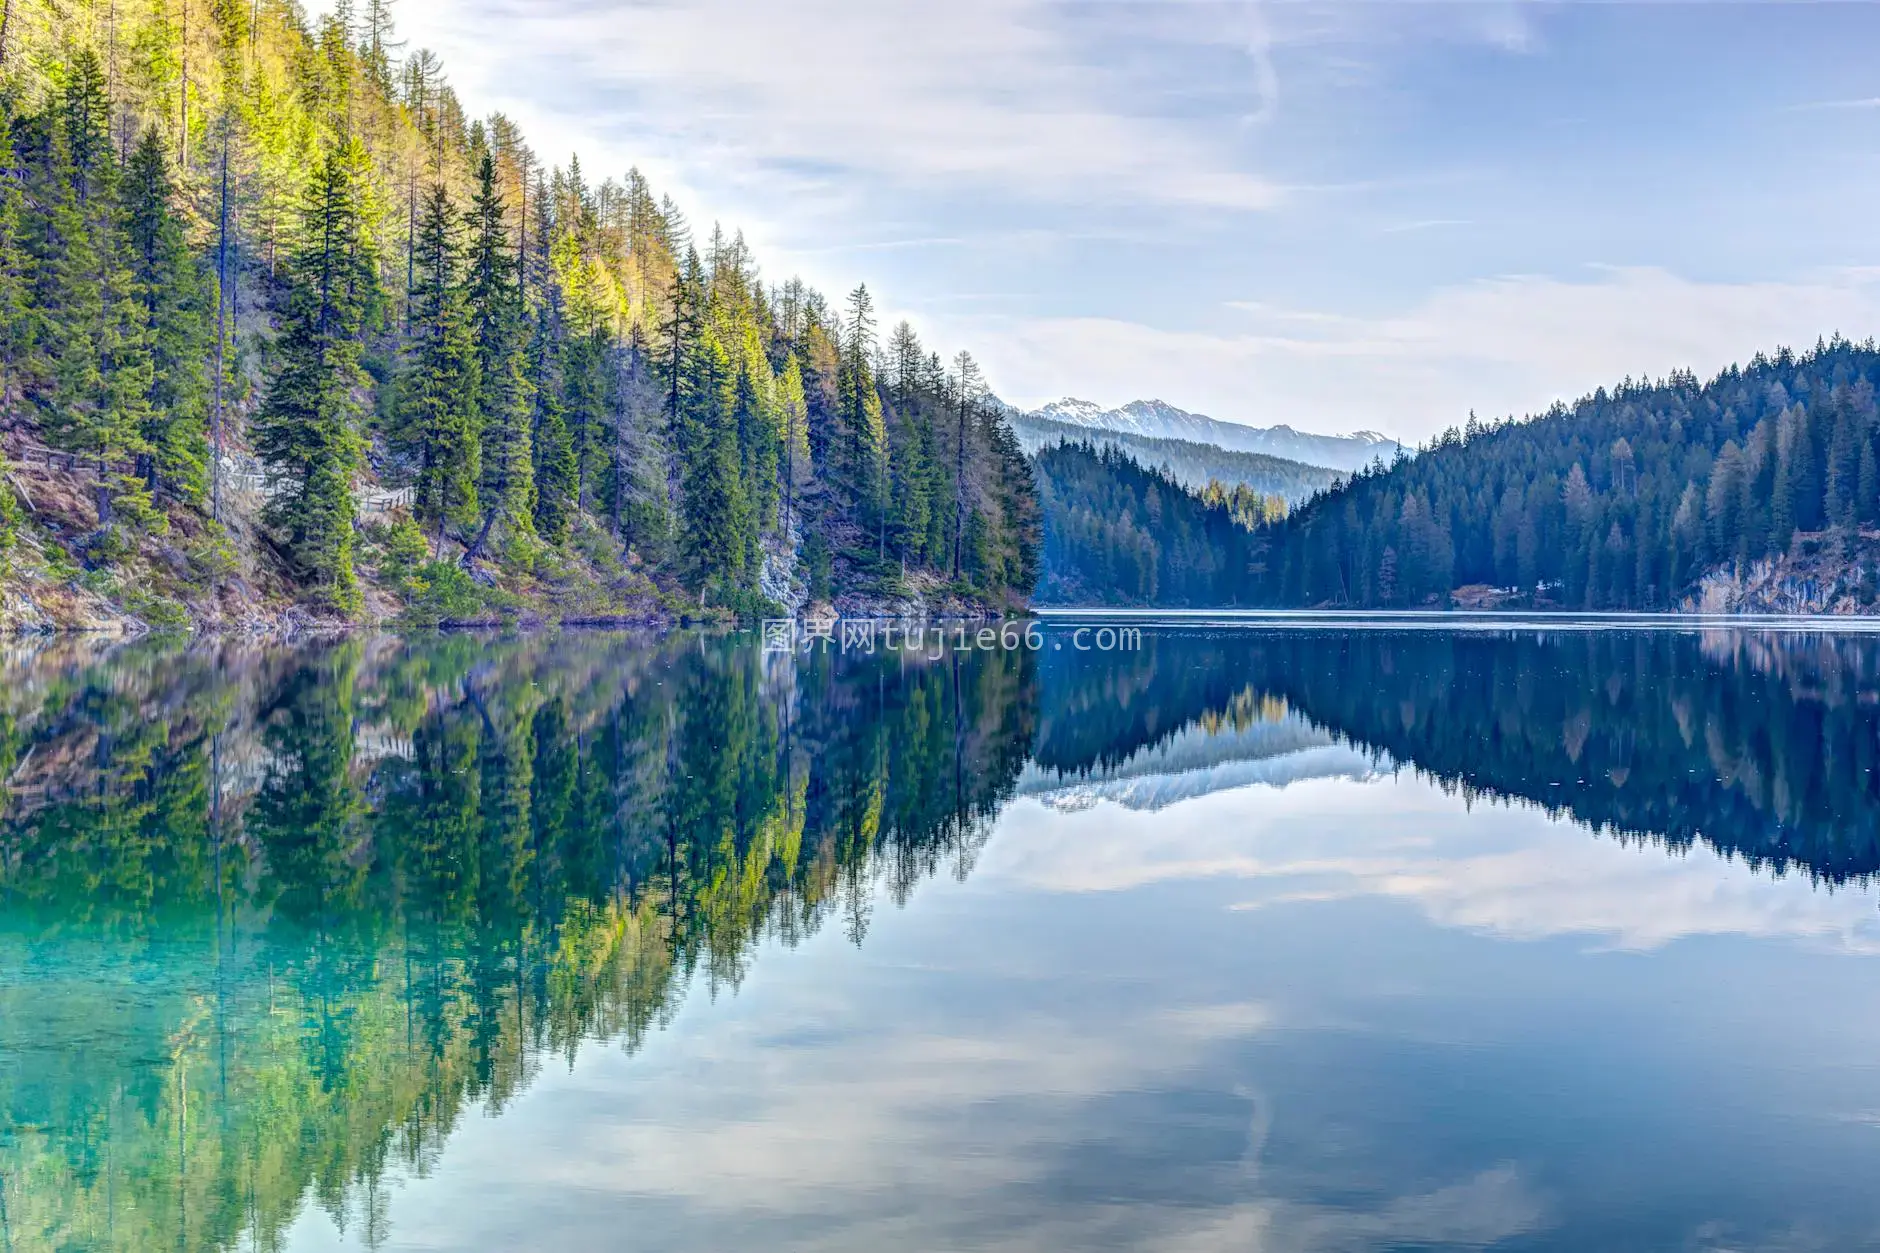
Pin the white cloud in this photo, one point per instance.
(1071, 149)
(975, 92)
(855, 1118)
(1498, 346)
(1510, 872)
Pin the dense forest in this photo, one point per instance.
(1626, 499)
(1193, 465)
(278, 316)
(1116, 533)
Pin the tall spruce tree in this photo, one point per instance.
(715, 513)
(551, 447)
(307, 432)
(794, 409)
(98, 372)
(862, 464)
(172, 299)
(441, 425)
(504, 397)
(16, 307)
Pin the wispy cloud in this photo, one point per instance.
(1132, 166)
(1505, 870)
(1499, 346)
(1865, 102)
(1424, 225)
(977, 91)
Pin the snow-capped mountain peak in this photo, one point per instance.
(1160, 420)
(1071, 409)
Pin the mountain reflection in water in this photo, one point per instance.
(275, 921)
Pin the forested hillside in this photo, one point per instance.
(1193, 465)
(1759, 489)
(282, 323)
(1116, 533)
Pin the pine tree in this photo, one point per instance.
(590, 363)
(715, 515)
(16, 320)
(173, 299)
(441, 426)
(1867, 495)
(552, 449)
(679, 353)
(758, 426)
(307, 433)
(862, 465)
(796, 462)
(504, 398)
(968, 385)
(98, 372)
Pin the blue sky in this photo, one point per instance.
(1373, 216)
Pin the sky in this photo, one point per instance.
(1379, 216)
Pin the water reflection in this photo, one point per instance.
(274, 924)
(270, 922)
(1763, 746)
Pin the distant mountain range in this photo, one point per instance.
(1156, 419)
(1196, 761)
(1192, 465)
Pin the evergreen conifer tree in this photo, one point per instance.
(98, 368)
(506, 489)
(16, 309)
(442, 423)
(172, 299)
(552, 449)
(862, 466)
(794, 411)
(715, 514)
(307, 432)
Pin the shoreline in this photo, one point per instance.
(1462, 619)
(1045, 615)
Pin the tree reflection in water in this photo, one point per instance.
(273, 920)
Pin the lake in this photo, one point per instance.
(1284, 936)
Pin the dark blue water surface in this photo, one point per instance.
(1276, 938)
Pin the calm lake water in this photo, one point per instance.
(1276, 939)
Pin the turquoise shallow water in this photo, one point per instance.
(1290, 939)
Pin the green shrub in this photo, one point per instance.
(155, 610)
(112, 546)
(12, 518)
(402, 554)
(601, 549)
(746, 605)
(443, 591)
(211, 557)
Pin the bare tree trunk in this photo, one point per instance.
(475, 548)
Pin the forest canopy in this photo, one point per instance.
(1625, 499)
(1116, 533)
(256, 267)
